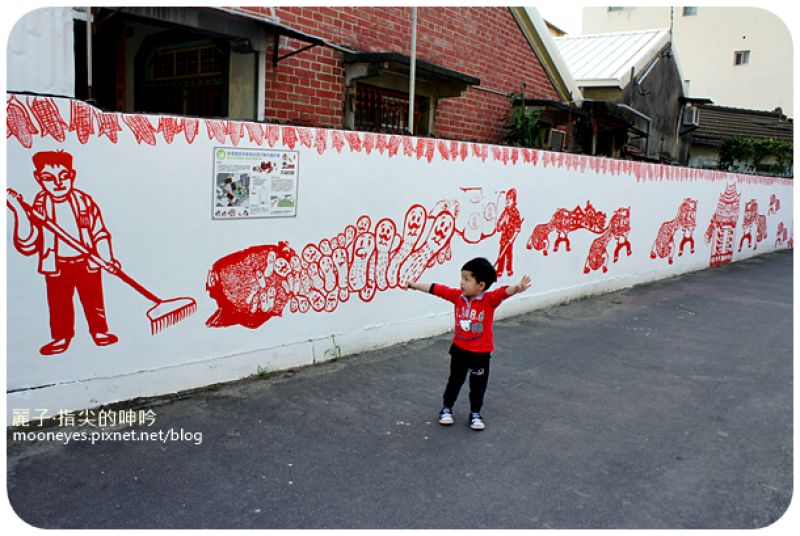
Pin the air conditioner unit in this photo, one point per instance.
(691, 116)
(557, 140)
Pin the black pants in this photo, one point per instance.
(461, 363)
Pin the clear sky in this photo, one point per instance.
(566, 16)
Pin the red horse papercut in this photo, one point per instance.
(686, 220)
(256, 284)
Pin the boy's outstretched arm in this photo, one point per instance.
(523, 285)
(422, 287)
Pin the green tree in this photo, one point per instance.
(522, 128)
(745, 154)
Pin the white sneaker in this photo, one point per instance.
(476, 422)
(446, 417)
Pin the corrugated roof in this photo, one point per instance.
(606, 59)
(720, 122)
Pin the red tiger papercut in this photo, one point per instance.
(753, 218)
(686, 220)
(618, 228)
(255, 285)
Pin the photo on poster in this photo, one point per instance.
(254, 183)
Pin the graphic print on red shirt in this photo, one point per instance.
(473, 317)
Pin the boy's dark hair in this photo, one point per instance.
(483, 271)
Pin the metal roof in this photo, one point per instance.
(607, 59)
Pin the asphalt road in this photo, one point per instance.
(664, 406)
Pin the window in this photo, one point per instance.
(382, 110)
(186, 80)
(742, 57)
(688, 11)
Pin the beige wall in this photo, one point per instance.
(706, 44)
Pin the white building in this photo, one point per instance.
(738, 57)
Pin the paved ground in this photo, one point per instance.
(663, 406)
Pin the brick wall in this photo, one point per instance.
(484, 42)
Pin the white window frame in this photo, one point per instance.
(741, 57)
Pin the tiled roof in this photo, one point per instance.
(719, 123)
(606, 59)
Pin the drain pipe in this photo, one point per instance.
(89, 52)
(411, 79)
(649, 124)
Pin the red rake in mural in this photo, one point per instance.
(164, 314)
(686, 220)
(256, 284)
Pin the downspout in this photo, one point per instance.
(411, 79)
(649, 124)
(89, 53)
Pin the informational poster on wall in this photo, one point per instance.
(254, 183)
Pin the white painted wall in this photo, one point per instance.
(706, 44)
(156, 201)
(40, 52)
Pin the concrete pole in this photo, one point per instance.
(413, 73)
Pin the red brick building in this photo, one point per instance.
(344, 67)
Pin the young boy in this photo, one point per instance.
(473, 343)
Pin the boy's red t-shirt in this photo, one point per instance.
(474, 317)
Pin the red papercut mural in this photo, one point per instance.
(235, 130)
(190, 128)
(81, 120)
(337, 140)
(64, 227)
(564, 222)
(19, 123)
(782, 235)
(216, 129)
(721, 232)
(618, 228)
(108, 125)
(141, 128)
(46, 113)
(255, 132)
(753, 218)
(509, 225)
(686, 220)
(774, 205)
(168, 127)
(273, 133)
(289, 136)
(255, 285)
